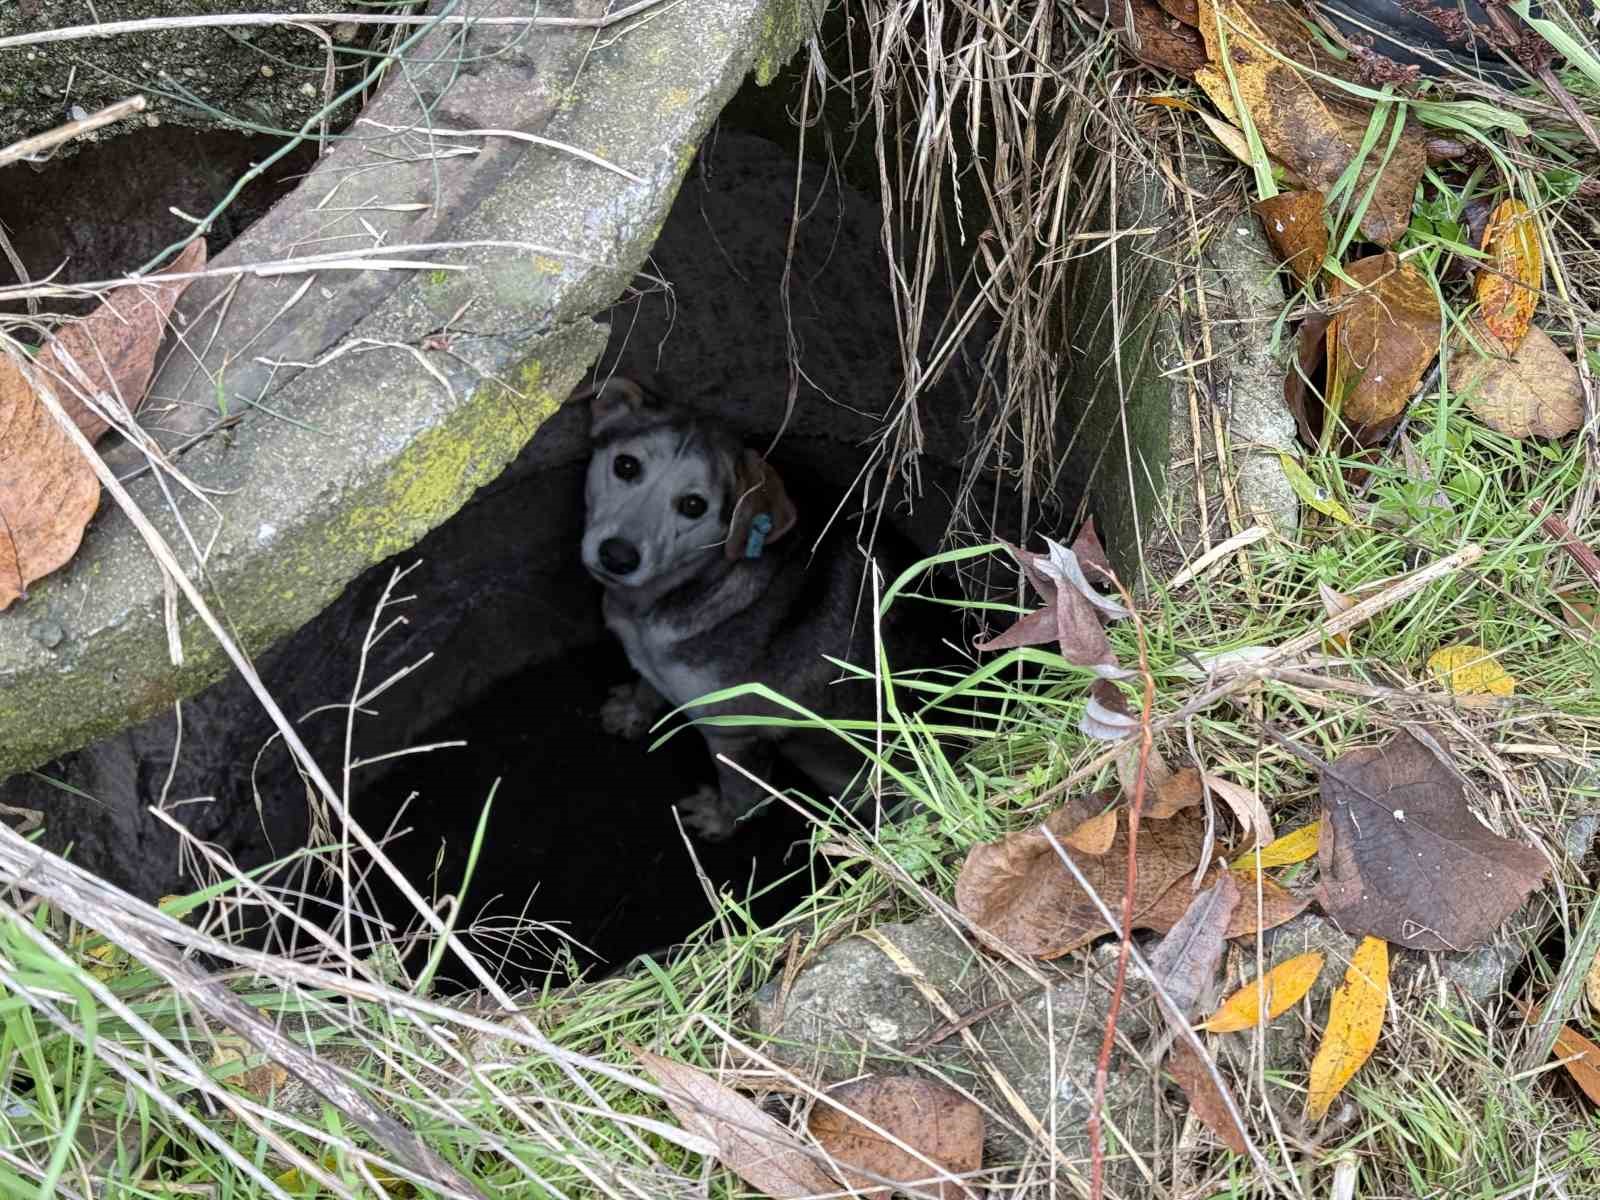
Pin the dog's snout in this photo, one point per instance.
(619, 557)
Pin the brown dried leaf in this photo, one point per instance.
(1402, 856)
(938, 1122)
(115, 346)
(1535, 393)
(1278, 904)
(1174, 793)
(1190, 1073)
(1296, 228)
(1246, 807)
(751, 1144)
(1310, 127)
(1508, 282)
(1300, 396)
(48, 490)
(1379, 343)
(1185, 961)
(1355, 1019)
(1334, 603)
(1073, 607)
(1018, 892)
(1159, 40)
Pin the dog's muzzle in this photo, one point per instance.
(619, 557)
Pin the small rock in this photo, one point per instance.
(47, 632)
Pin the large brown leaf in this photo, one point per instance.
(751, 1144)
(1535, 393)
(1307, 125)
(1380, 341)
(937, 1121)
(1020, 893)
(1402, 856)
(115, 346)
(1278, 904)
(48, 490)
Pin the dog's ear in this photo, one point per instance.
(610, 400)
(757, 492)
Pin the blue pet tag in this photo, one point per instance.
(757, 539)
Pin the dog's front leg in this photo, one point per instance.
(713, 812)
(631, 709)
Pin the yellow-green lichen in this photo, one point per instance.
(445, 465)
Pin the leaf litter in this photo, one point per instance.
(1403, 857)
(1269, 996)
(1355, 1020)
(936, 1121)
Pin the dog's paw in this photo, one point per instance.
(623, 716)
(705, 814)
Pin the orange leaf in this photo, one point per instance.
(1380, 342)
(1507, 285)
(1355, 1018)
(48, 490)
(1095, 835)
(1283, 985)
(1295, 846)
(115, 346)
(1294, 225)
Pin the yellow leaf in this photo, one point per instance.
(1295, 846)
(1313, 495)
(1470, 670)
(1284, 985)
(1508, 283)
(1355, 1018)
(1591, 983)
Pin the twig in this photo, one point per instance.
(61, 134)
(516, 134)
(1217, 553)
(1357, 614)
(1559, 529)
(71, 33)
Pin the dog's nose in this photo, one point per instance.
(619, 557)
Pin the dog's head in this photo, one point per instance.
(670, 495)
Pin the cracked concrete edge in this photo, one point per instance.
(1131, 442)
(383, 449)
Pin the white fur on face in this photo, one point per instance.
(643, 511)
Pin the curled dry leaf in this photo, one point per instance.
(1535, 393)
(114, 348)
(1471, 672)
(936, 1121)
(1018, 892)
(1380, 341)
(48, 490)
(1355, 1019)
(1073, 608)
(1246, 807)
(1295, 846)
(1271, 995)
(1508, 281)
(1277, 905)
(1300, 394)
(1190, 1073)
(1296, 228)
(1334, 603)
(1184, 963)
(751, 1144)
(1311, 127)
(1403, 857)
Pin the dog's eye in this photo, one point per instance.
(625, 466)
(692, 505)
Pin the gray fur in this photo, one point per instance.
(695, 622)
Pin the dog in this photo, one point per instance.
(708, 584)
